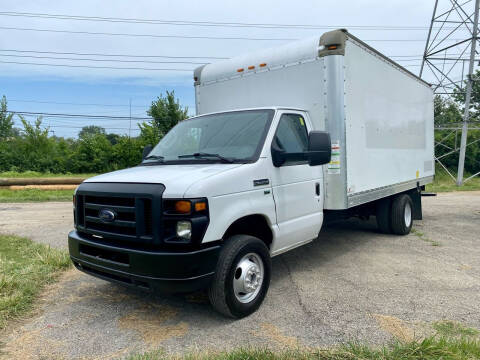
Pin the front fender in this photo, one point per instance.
(226, 209)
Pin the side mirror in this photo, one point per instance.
(319, 148)
(146, 150)
(278, 155)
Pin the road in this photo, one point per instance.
(350, 284)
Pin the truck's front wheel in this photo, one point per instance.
(242, 276)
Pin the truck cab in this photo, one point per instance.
(252, 175)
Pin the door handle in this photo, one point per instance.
(317, 189)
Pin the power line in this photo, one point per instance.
(148, 35)
(81, 127)
(79, 104)
(206, 23)
(161, 56)
(103, 60)
(116, 55)
(67, 115)
(93, 67)
(184, 36)
(411, 58)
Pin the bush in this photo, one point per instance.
(95, 151)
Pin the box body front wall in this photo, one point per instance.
(298, 86)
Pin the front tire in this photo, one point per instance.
(242, 276)
(402, 219)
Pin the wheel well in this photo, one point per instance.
(254, 225)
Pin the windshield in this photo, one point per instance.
(226, 137)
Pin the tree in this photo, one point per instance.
(166, 112)
(460, 94)
(91, 130)
(113, 138)
(445, 111)
(6, 120)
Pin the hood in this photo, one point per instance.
(176, 178)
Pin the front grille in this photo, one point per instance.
(136, 208)
(124, 209)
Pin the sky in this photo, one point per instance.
(101, 67)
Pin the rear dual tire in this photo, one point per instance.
(394, 215)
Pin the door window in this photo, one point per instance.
(292, 136)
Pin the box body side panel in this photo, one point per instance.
(389, 123)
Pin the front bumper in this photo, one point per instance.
(172, 272)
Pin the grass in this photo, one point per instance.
(431, 348)
(25, 268)
(423, 237)
(449, 328)
(34, 195)
(444, 183)
(35, 174)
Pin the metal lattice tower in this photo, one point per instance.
(449, 62)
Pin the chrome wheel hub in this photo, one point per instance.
(248, 278)
(408, 214)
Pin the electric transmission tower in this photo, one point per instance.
(448, 64)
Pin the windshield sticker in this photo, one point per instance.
(334, 165)
(301, 121)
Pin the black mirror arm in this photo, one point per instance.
(146, 150)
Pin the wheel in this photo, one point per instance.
(383, 215)
(242, 276)
(402, 214)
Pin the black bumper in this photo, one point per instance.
(172, 272)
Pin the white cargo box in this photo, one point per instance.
(379, 115)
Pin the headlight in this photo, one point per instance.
(184, 229)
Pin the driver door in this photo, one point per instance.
(297, 187)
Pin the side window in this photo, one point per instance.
(292, 135)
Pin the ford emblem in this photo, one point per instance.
(106, 215)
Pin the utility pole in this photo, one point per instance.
(130, 122)
(130, 130)
(468, 95)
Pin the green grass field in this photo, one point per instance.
(33, 174)
(25, 268)
(34, 195)
(444, 183)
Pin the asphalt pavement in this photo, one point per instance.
(350, 284)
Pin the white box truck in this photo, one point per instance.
(284, 139)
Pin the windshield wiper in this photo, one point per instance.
(154, 157)
(202, 154)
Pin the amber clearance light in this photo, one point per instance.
(200, 206)
(183, 207)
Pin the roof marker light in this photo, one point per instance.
(251, 67)
(332, 47)
(262, 65)
(240, 70)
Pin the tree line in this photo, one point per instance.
(32, 148)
